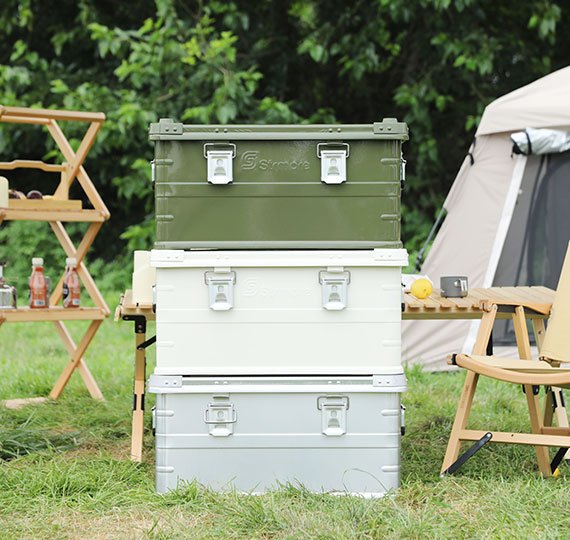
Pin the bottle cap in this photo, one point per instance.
(71, 261)
(37, 261)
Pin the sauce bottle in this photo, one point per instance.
(71, 285)
(38, 284)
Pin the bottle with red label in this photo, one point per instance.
(71, 285)
(38, 285)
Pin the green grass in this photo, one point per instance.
(65, 472)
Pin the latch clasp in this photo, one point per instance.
(333, 162)
(220, 417)
(220, 289)
(334, 288)
(333, 414)
(220, 162)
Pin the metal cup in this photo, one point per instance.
(453, 286)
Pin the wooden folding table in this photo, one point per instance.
(128, 310)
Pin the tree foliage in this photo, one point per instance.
(433, 63)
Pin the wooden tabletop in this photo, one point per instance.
(537, 299)
(128, 308)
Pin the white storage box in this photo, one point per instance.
(278, 312)
(253, 434)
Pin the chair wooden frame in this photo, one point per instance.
(56, 211)
(525, 371)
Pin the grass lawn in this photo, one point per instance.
(65, 470)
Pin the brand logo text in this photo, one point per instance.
(250, 160)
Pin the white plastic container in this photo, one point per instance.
(339, 435)
(144, 278)
(4, 192)
(278, 312)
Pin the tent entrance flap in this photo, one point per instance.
(534, 248)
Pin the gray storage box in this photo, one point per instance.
(252, 434)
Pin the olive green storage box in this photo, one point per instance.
(278, 187)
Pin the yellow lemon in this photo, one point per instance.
(421, 288)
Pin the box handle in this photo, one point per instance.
(224, 409)
(220, 146)
(333, 146)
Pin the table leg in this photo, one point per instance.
(138, 392)
(468, 392)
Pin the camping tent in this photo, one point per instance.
(508, 215)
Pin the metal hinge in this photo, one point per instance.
(334, 283)
(220, 162)
(220, 289)
(333, 414)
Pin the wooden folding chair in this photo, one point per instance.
(549, 371)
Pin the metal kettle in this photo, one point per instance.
(8, 295)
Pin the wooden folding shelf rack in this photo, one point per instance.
(58, 210)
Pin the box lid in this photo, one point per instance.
(383, 383)
(167, 129)
(165, 258)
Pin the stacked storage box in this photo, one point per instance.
(278, 303)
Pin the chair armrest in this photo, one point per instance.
(561, 379)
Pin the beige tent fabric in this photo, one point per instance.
(462, 247)
(540, 104)
(456, 189)
(470, 227)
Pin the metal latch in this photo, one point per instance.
(402, 171)
(220, 417)
(220, 289)
(335, 288)
(333, 414)
(333, 162)
(220, 162)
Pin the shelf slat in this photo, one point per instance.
(49, 205)
(32, 164)
(10, 214)
(55, 313)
